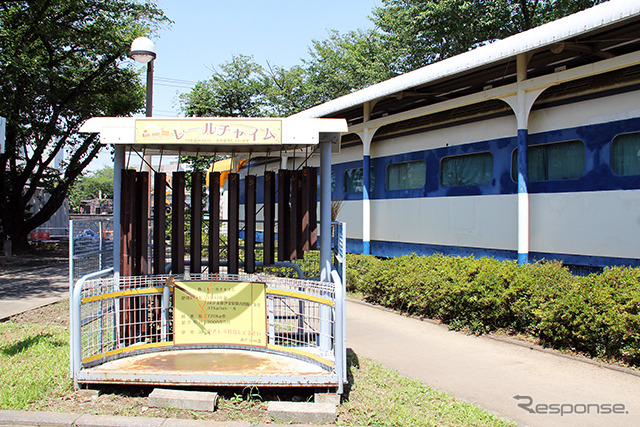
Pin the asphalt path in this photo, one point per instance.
(524, 385)
(27, 287)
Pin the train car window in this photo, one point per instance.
(467, 169)
(406, 175)
(552, 162)
(625, 154)
(353, 180)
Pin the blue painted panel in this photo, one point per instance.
(598, 175)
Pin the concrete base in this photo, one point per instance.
(25, 418)
(182, 399)
(332, 398)
(302, 412)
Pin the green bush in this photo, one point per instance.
(598, 315)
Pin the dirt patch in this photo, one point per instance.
(134, 401)
(57, 313)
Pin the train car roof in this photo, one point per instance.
(606, 31)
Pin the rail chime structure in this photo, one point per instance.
(289, 195)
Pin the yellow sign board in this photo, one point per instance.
(212, 312)
(222, 131)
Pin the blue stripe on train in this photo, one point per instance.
(394, 249)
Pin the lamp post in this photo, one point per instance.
(144, 51)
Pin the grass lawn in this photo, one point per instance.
(34, 367)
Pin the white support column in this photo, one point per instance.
(521, 104)
(366, 136)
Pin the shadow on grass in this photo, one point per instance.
(27, 343)
(352, 363)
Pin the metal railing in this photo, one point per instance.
(119, 317)
(90, 247)
(114, 317)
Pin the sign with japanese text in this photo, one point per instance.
(212, 312)
(225, 131)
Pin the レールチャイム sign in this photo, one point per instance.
(209, 131)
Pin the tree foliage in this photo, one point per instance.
(60, 65)
(422, 32)
(237, 88)
(344, 63)
(97, 185)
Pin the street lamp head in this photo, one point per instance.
(143, 50)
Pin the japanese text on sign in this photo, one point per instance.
(208, 131)
(220, 313)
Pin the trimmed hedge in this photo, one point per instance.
(597, 315)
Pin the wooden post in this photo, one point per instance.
(284, 183)
(196, 222)
(313, 207)
(159, 245)
(234, 223)
(295, 227)
(141, 244)
(141, 228)
(305, 244)
(127, 191)
(159, 222)
(214, 222)
(249, 224)
(269, 217)
(177, 223)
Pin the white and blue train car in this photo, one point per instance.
(527, 148)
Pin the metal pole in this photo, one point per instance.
(164, 328)
(325, 211)
(340, 338)
(71, 283)
(325, 238)
(118, 166)
(149, 111)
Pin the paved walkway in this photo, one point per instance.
(25, 287)
(490, 372)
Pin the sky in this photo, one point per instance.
(207, 33)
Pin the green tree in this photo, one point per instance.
(288, 90)
(98, 184)
(238, 89)
(421, 32)
(60, 65)
(344, 63)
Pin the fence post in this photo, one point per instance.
(164, 324)
(339, 345)
(71, 283)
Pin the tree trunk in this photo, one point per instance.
(19, 240)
